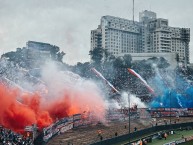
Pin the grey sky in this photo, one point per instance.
(67, 23)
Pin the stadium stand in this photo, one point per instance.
(8, 137)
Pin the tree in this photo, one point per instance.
(83, 69)
(54, 51)
(119, 62)
(60, 56)
(97, 55)
(107, 55)
(127, 60)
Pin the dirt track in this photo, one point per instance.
(87, 135)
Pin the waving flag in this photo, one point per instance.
(138, 76)
(105, 80)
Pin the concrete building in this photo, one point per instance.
(146, 16)
(38, 53)
(117, 35)
(149, 35)
(40, 46)
(160, 37)
(96, 38)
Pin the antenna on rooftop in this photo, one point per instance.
(133, 11)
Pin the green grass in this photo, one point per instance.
(173, 137)
(187, 143)
(176, 136)
(133, 139)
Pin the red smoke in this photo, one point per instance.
(16, 115)
(34, 109)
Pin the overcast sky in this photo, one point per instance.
(67, 23)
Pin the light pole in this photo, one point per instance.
(170, 107)
(129, 100)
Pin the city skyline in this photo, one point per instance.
(67, 24)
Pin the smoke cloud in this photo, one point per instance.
(172, 90)
(65, 94)
(126, 98)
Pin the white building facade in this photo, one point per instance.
(149, 35)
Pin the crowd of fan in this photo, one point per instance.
(8, 137)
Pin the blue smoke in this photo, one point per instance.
(172, 99)
(180, 96)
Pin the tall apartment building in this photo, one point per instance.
(96, 38)
(149, 35)
(160, 37)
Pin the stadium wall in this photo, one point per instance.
(141, 133)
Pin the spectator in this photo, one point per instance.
(178, 118)
(11, 138)
(182, 136)
(135, 129)
(144, 142)
(116, 133)
(159, 135)
(140, 142)
(99, 132)
(165, 135)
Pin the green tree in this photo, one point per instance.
(127, 60)
(97, 55)
(60, 56)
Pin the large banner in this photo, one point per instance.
(58, 127)
(174, 112)
(143, 113)
(122, 114)
(47, 133)
(66, 127)
(77, 120)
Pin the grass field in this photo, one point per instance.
(188, 143)
(176, 136)
(173, 137)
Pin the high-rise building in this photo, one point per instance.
(117, 35)
(160, 37)
(149, 35)
(96, 38)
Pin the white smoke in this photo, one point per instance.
(127, 97)
(63, 84)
